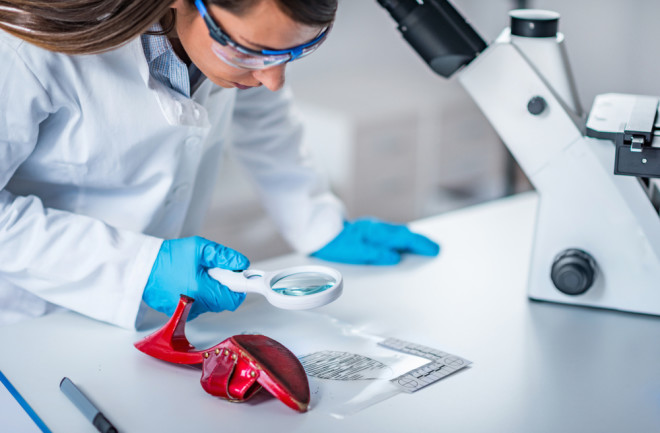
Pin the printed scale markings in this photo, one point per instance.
(442, 364)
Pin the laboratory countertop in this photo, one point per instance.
(537, 367)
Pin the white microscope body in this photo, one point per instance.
(597, 234)
(582, 204)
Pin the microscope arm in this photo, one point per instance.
(597, 235)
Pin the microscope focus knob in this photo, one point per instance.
(536, 105)
(573, 271)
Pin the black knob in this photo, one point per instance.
(534, 23)
(536, 105)
(573, 271)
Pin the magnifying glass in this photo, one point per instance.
(295, 288)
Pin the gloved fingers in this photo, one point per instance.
(216, 300)
(217, 297)
(159, 301)
(165, 306)
(214, 255)
(362, 254)
(420, 244)
(379, 256)
(195, 311)
(399, 238)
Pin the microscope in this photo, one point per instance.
(597, 230)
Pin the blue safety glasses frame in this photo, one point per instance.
(236, 55)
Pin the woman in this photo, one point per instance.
(114, 116)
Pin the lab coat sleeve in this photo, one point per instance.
(71, 260)
(267, 139)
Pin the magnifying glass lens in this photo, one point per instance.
(303, 284)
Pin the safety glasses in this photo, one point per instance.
(236, 55)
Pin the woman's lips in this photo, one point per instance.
(242, 87)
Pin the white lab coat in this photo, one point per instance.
(99, 162)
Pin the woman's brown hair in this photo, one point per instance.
(92, 26)
(79, 26)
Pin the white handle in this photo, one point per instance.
(243, 281)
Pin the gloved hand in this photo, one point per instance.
(373, 242)
(181, 268)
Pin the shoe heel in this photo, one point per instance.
(169, 343)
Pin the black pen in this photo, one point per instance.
(86, 407)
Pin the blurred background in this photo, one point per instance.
(400, 143)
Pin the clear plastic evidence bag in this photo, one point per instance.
(348, 369)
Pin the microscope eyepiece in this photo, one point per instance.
(399, 9)
(438, 33)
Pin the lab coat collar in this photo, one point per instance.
(177, 109)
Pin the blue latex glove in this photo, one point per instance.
(181, 268)
(373, 242)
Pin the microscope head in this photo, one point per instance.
(437, 32)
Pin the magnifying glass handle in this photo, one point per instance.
(235, 281)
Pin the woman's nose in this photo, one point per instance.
(272, 78)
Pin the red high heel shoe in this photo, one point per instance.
(235, 369)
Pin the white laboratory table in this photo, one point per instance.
(537, 367)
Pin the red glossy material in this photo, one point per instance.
(235, 369)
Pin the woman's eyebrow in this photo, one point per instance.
(254, 45)
(250, 44)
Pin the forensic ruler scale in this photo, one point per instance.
(442, 364)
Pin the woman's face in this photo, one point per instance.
(262, 27)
